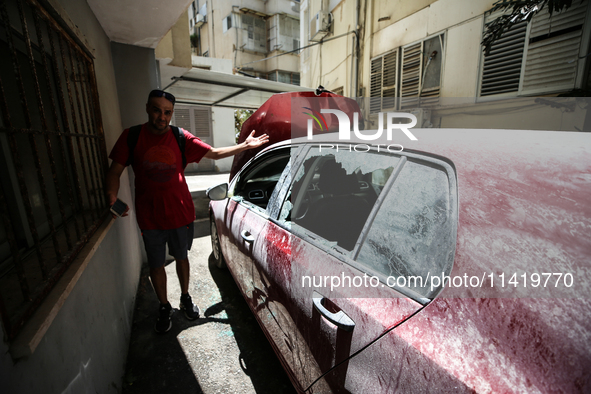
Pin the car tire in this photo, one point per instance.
(216, 250)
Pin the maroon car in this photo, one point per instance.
(460, 262)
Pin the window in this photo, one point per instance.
(256, 184)
(540, 57)
(340, 90)
(407, 77)
(254, 33)
(285, 77)
(52, 156)
(334, 191)
(227, 23)
(197, 121)
(413, 232)
(386, 214)
(284, 33)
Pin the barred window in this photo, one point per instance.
(52, 156)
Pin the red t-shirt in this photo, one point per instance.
(162, 197)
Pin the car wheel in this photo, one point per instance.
(216, 249)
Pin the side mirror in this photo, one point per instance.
(218, 192)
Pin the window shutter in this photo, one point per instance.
(389, 86)
(197, 121)
(375, 101)
(553, 45)
(202, 123)
(501, 71)
(182, 118)
(383, 82)
(410, 77)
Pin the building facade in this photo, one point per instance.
(261, 38)
(426, 56)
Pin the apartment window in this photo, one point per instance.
(340, 90)
(254, 33)
(285, 77)
(284, 32)
(539, 57)
(227, 23)
(407, 77)
(52, 156)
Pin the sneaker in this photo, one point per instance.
(164, 322)
(187, 306)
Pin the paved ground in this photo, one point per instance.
(224, 351)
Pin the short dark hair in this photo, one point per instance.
(162, 93)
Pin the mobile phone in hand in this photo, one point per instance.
(119, 208)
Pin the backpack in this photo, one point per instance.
(134, 134)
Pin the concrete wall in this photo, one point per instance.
(136, 73)
(330, 63)
(84, 338)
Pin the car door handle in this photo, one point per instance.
(247, 236)
(339, 319)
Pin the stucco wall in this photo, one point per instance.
(85, 345)
(222, 120)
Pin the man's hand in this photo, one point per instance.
(249, 143)
(112, 198)
(112, 185)
(253, 142)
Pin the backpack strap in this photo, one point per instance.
(132, 136)
(181, 140)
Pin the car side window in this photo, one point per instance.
(389, 215)
(333, 193)
(413, 232)
(256, 183)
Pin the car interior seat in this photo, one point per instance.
(340, 215)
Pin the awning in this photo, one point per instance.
(204, 87)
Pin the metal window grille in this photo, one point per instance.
(52, 156)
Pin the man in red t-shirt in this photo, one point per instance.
(164, 207)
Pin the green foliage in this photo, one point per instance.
(520, 10)
(240, 116)
(194, 40)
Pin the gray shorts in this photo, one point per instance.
(179, 241)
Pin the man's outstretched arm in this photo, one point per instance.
(249, 143)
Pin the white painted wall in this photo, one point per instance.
(222, 119)
(85, 345)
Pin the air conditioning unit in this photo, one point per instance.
(319, 25)
(423, 117)
(200, 20)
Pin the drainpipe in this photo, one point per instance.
(355, 53)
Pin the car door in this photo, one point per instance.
(254, 196)
(245, 212)
(324, 259)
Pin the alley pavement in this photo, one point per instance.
(223, 351)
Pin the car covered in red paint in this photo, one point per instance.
(459, 262)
